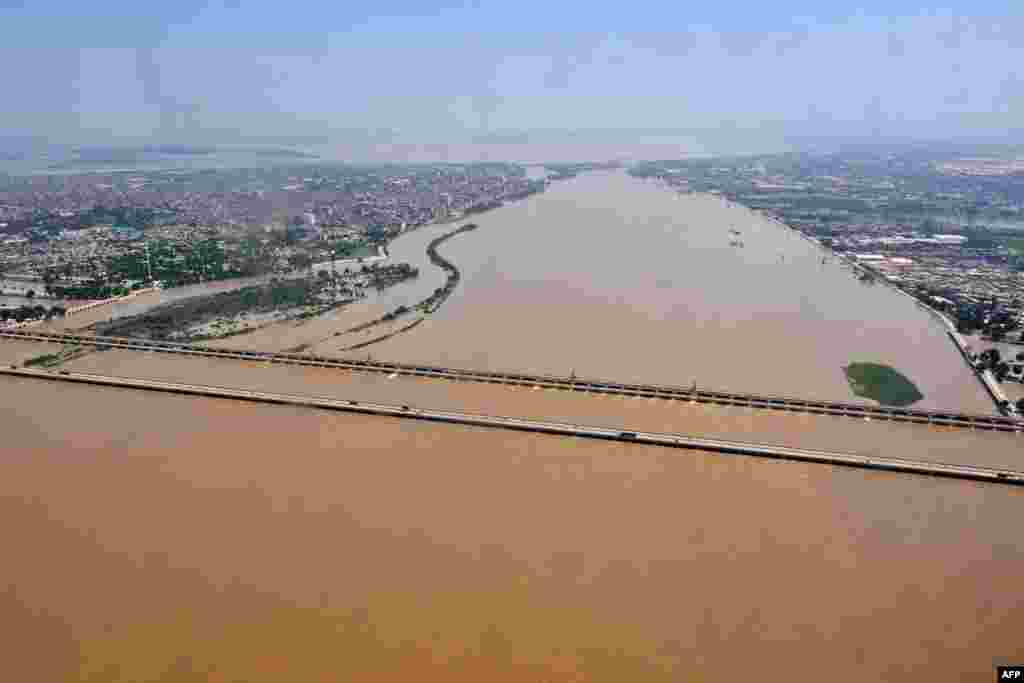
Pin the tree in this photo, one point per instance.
(964, 327)
(991, 357)
(300, 261)
(1001, 371)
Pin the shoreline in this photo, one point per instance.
(986, 379)
(382, 255)
(436, 259)
(74, 310)
(425, 307)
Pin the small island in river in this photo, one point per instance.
(882, 383)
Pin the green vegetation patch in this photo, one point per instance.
(1016, 245)
(165, 321)
(364, 250)
(47, 360)
(882, 383)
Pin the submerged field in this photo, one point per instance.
(181, 319)
(237, 311)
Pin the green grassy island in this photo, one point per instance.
(882, 383)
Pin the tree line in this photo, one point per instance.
(23, 313)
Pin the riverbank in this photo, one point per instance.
(238, 311)
(425, 307)
(368, 316)
(985, 378)
(434, 301)
(78, 310)
(692, 309)
(382, 255)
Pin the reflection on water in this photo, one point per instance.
(151, 537)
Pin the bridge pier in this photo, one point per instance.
(1005, 424)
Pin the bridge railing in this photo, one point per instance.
(577, 383)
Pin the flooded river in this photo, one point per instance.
(802, 430)
(153, 537)
(618, 278)
(612, 277)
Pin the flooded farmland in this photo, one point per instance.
(153, 537)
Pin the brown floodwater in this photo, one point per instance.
(614, 277)
(825, 432)
(164, 538)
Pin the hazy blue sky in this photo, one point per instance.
(189, 70)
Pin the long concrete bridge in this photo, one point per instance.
(783, 403)
(672, 440)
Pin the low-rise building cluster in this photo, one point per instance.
(946, 227)
(89, 234)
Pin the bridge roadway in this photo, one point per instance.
(962, 420)
(672, 440)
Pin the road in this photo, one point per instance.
(867, 412)
(672, 440)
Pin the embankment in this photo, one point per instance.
(428, 305)
(434, 301)
(991, 387)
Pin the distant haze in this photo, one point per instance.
(408, 78)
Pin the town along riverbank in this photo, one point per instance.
(376, 316)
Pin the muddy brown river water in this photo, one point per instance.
(163, 538)
(166, 538)
(619, 278)
(849, 435)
